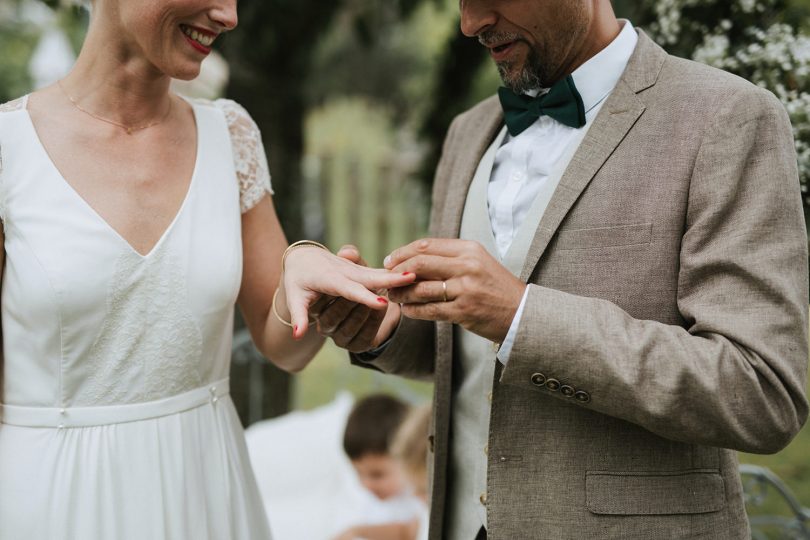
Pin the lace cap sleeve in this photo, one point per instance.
(11, 106)
(249, 157)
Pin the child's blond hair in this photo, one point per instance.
(410, 445)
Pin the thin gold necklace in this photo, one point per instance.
(129, 129)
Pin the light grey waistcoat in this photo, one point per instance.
(475, 357)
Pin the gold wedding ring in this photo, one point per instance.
(444, 290)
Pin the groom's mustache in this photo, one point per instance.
(492, 38)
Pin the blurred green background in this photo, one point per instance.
(354, 96)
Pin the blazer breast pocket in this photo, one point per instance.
(665, 493)
(604, 237)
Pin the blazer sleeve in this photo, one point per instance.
(735, 375)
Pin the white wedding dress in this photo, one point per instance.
(116, 422)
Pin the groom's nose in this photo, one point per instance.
(477, 16)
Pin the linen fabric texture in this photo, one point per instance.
(668, 282)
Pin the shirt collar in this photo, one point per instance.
(597, 77)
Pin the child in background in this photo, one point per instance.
(410, 448)
(370, 430)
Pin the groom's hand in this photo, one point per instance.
(353, 326)
(458, 281)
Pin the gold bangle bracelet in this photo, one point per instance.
(276, 313)
(300, 243)
(290, 248)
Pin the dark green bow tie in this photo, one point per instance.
(562, 103)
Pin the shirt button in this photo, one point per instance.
(62, 411)
(483, 498)
(489, 397)
(213, 389)
(496, 346)
(486, 449)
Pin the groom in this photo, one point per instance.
(618, 280)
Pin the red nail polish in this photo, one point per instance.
(406, 273)
(382, 300)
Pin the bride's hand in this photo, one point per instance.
(351, 326)
(310, 272)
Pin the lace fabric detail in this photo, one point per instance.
(11, 106)
(14, 105)
(249, 156)
(149, 346)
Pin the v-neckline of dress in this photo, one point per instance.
(143, 256)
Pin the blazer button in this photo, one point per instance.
(567, 391)
(582, 397)
(538, 379)
(553, 385)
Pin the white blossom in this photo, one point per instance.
(776, 57)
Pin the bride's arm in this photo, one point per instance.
(310, 272)
(263, 243)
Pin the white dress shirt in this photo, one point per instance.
(523, 163)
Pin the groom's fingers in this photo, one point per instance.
(430, 267)
(444, 247)
(433, 311)
(365, 337)
(351, 253)
(330, 318)
(423, 292)
(353, 324)
(321, 304)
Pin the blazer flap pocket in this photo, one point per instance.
(620, 493)
(599, 237)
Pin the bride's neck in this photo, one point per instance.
(113, 80)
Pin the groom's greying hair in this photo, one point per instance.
(372, 424)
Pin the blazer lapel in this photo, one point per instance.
(476, 144)
(621, 111)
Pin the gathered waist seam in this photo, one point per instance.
(70, 417)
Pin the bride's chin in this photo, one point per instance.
(188, 74)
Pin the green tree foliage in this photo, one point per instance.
(271, 59)
(17, 41)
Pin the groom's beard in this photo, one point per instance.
(532, 75)
(529, 77)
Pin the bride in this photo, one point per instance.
(133, 220)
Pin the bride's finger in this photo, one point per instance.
(375, 279)
(356, 292)
(298, 305)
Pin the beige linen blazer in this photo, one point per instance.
(667, 286)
